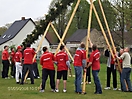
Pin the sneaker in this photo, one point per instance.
(107, 88)
(56, 90)
(119, 89)
(114, 88)
(89, 82)
(64, 90)
(41, 91)
(52, 90)
(7, 77)
(81, 83)
(38, 77)
(28, 78)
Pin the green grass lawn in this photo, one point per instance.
(10, 90)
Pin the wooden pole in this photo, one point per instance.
(106, 23)
(40, 44)
(61, 41)
(68, 25)
(87, 44)
(63, 44)
(112, 42)
(100, 24)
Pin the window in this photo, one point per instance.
(9, 36)
(4, 36)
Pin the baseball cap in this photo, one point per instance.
(19, 47)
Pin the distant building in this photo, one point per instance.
(80, 36)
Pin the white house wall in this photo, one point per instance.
(18, 39)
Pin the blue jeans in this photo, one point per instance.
(98, 88)
(126, 76)
(78, 78)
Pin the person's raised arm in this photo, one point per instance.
(91, 44)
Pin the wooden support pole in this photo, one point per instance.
(63, 44)
(106, 23)
(61, 41)
(40, 44)
(68, 25)
(100, 24)
(112, 42)
(87, 45)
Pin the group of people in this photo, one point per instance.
(123, 60)
(23, 61)
(18, 60)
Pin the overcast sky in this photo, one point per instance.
(11, 10)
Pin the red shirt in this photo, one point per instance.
(46, 61)
(79, 56)
(94, 58)
(61, 59)
(18, 56)
(12, 56)
(34, 61)
(28, 55)
(5, 55)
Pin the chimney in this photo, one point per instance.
(22, 18)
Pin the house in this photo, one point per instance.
(80, 36)
(18, 31)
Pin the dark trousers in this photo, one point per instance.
(113, 71)
(27, 67)
(35, 70)
(13, 69)
(5, 68)
(45, 73)
(88, 74)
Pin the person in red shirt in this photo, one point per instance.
(95, 63)
(12, 56)
(5, 62)
(18, 63)
(79, 64)
(111, 68)
(63, 64)
(28, 63)
(47, 62)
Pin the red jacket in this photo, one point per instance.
(12, 56)
(95, 59)
(61, 59)
(79, 56)
(28, 55)
(46, 60)
(5, 55)
(18, 56)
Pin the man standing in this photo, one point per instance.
(18, 63)
(5, 62)
(95, 63)
(79, 64)
(48, 68)
(12, 55)
(62, 67)
(28, 63)
(111, 68)
(125, 76)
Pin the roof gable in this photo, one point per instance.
(13, 30)
(78, 35)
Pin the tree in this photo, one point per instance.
(124, 15)
(2, 30)
(80, 20)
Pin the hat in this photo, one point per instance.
(19, 47)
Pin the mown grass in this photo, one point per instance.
(10, 90)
